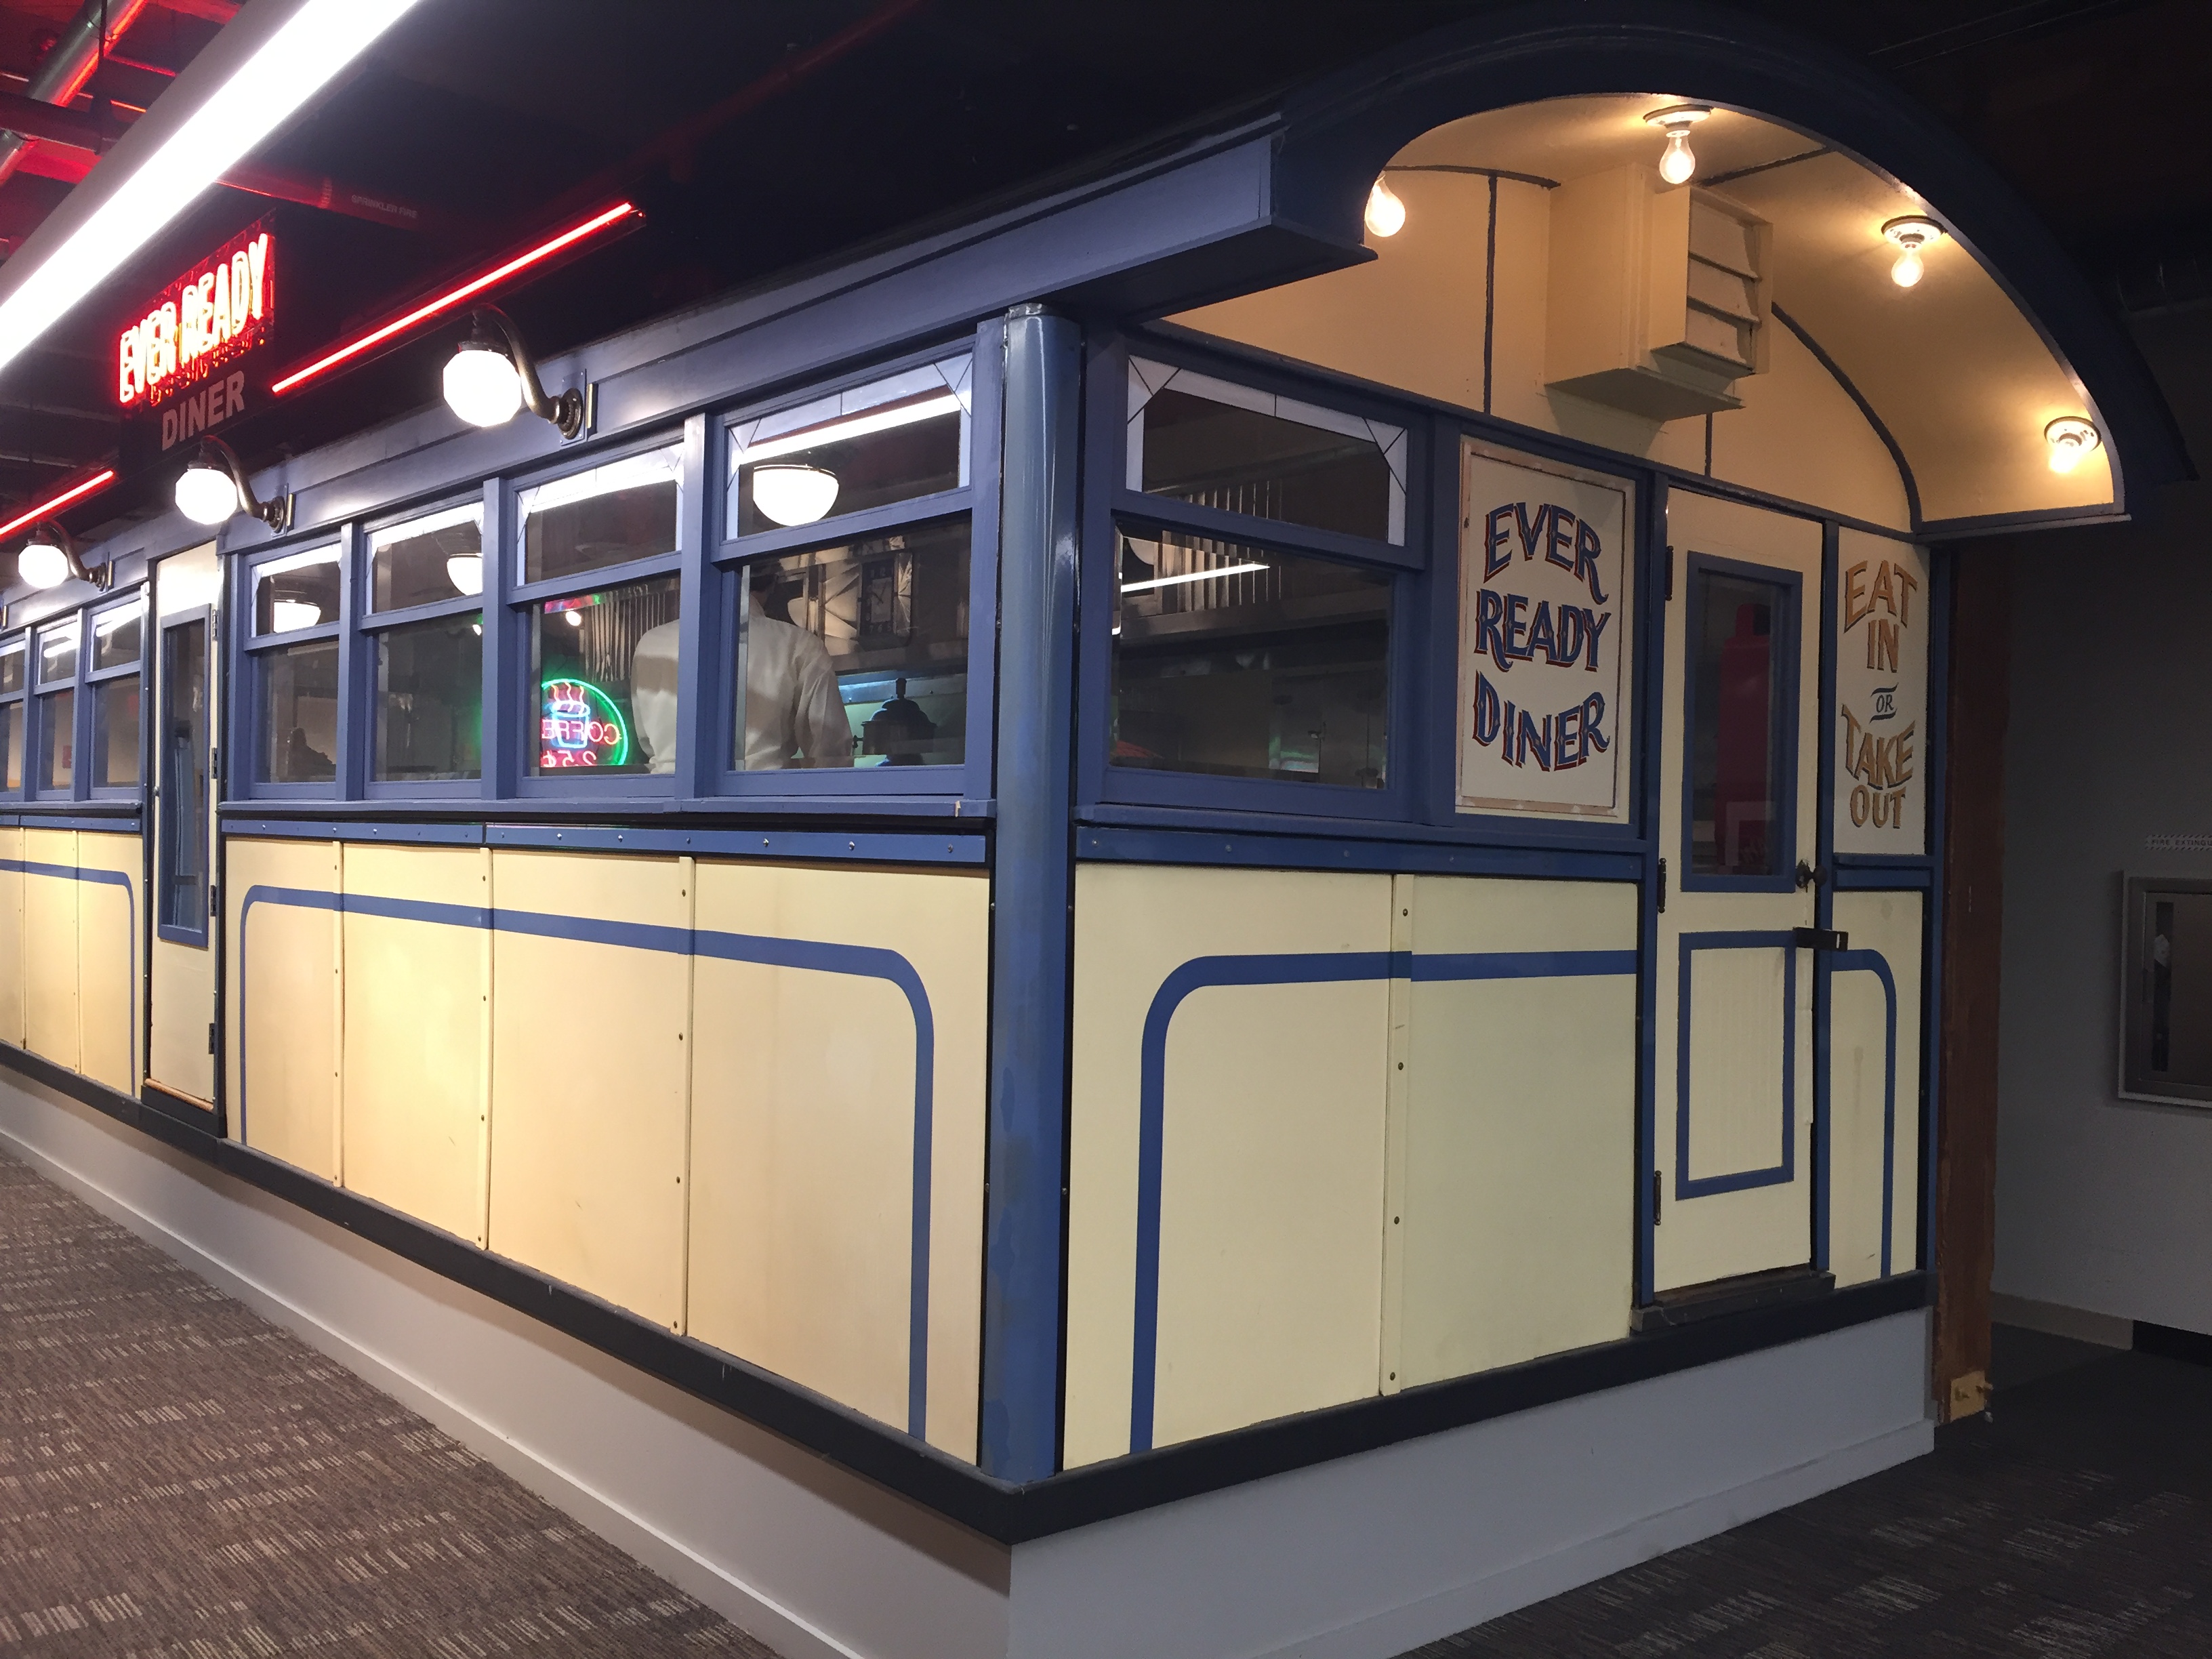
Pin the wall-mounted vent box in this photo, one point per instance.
(1658, 295)
(2166, 991)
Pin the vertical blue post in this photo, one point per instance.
(1030, 914)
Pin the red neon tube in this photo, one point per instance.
(453, 297)
(76, 492)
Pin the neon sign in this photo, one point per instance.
(579, 725)
(218, 311)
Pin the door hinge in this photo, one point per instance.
(1821, 938)
(1662, 887)
(1657, 1191)
(211, 1036)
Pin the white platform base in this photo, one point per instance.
(1360, 1558)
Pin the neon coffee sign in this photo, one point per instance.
(216, 311)
(579, 725)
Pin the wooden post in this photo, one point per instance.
(1973, 945)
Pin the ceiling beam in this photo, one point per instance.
(216, 11)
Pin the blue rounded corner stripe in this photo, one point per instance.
(1741, 1180)
(1318, 967)
(101, 879)
(1872, 962)
(861, 961)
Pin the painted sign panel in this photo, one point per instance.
(1543, 645)
(1882, 696)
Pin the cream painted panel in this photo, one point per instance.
(589, 1080)
(1799, 436)
(1271, 1168)
(186, 581)
(1513, 1154)
(1738, 1012)
(417, 1050)
(13, 949)
(1890, 924)
(1523, 285)
(109, 981)
(177, 1053)
(802, 1138)
(282, 1077)
(49, 955)
(1413, 317)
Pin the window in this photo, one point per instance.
(1742, 648)
(56, 665)
(892, 440)
(1243, 661)
(1214, 444)
(117, 638)
(428, 560)
(605, 668)
(617, 514)
(296, 592)
(14, 664)
(181, 879)
(857, 655)
(426, 693)
(299, 712)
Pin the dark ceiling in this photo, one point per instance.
(775, 132)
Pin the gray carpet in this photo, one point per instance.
(2077, 1523)
(182, 1480)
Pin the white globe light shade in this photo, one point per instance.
(288, 614)
(465, 572)
(205, 494)
(1386, 213)
(789, 495)
(42, 565)
(482, 385)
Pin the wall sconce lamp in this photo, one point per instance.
(1677, 162)
(1911, 233)
(2070, 438)
(1386, 211)
(49, 558)
(214, 487)
(493, 375)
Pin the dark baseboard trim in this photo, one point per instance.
(1694, 1304)
(1005, 1513)
(2173, 1343)
(208, 1120)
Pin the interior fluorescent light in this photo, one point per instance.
(313, 555)
(1191, 576)
(429, 525)
(292, 65)
(881, 420)
(637, 472)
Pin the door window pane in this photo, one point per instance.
(115, 731)
(1739, 634)
(296, 592)
(57, 740)
(57, 654)
(428, 560)
(299, 713)
(858, 655)
(11, 667)
(609, 515)
(11, 744)
(181, 880)
(1208, 442)
(1245, 662)
(115, 636)
(607, 680)
(900, 437)
(430, 699)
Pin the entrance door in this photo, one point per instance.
(187, 599)
(1734, 1090)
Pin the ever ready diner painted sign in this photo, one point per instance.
(1543, 645)
(1882, 696)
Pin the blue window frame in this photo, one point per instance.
(56, 709)
(14, 711)
(293, 727)
(114, 661)
(421, 661)
(856, 584)
(183, 776)
(1742, 630)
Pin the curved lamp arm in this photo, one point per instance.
(277, 514)
(566, 411)
(102, 576)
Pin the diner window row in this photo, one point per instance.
(70, 725)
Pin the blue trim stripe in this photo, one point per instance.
(103, 879)
(1741, 1181)
(1319, 967)
(865, 962)
(1872, 962)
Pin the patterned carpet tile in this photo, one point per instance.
(182, 1480)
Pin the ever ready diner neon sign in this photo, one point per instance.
(218, 311)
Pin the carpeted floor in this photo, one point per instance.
(182, 1480)
(2078, 1523)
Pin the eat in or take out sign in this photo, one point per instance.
(1882, 696)
(1543, 638)
(180, 362)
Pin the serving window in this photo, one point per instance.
(297, 602)
(118, 639)
(425, 657)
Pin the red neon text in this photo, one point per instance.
(221, 308)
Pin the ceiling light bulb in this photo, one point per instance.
(42, 565)
(1677, 162)
(2071, 439)
(482, 385)
(1386, 213)
(465, 572)
(791, 494)
(286, 615)
(206, 494)
(1909, 234)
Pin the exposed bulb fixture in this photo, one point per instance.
(789, 492)
(493, 375)
(1386, 213)
(213, 487)
(41, 564)
(287, 615)
(1911, 233)
(465, 572)
(2070, 438)
(1677, 162)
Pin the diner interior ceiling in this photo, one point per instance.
(762, 136)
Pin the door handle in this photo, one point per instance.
(1808, 874)
(1821, 938)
